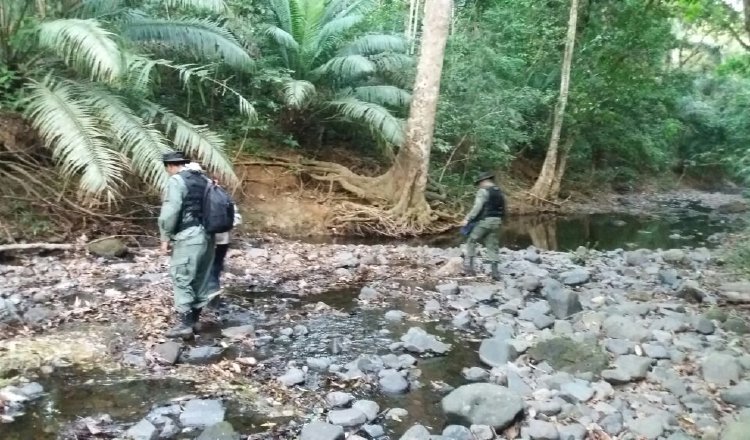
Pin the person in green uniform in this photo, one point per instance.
(485, 217)
(192, 248)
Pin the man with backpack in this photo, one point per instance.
(482, 223)
(182, 222)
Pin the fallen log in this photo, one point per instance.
(42, 246)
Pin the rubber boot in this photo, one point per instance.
(196, 314)
(184, 328)
(494, 273)
(469, 267)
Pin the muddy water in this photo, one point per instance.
(690, 225)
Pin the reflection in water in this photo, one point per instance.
(601, 231)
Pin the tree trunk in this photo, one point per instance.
(545, 184)
(407, 178)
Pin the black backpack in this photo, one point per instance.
(218, 210)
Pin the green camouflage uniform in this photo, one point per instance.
(486, 230)
(192, 249)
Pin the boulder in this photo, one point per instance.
(575, 277)
(392, 382)
(738, 395)
(417, 340)
(416, 432)
(369, 408)
(567, 355)
(482, 404)
(496, 352)
(347, 417)
(109, 247)
(563, 303)
(143, 430)
(318, 430)
(721, 369)
(201, 413)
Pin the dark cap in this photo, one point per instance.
(485, 176)
(175, 158)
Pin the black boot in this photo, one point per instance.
(469, 266)
(184, 327)
(494, 273)
(196, 314)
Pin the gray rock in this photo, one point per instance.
(448, 288)
(674, 256)
(737, 395)
(530, 283)
(636, 258)
(563, 303)
(31, 390)
(170, 429)
(691, 291)
(8, 312)
(457, 432)
(619, 346)
(419, 341)
(319, 363)
(616, 377)
(201, 413)
(575, 277)
(636, 367)
(721, 369)
(475, 374)
(647, 427)
(368, 294)
(540, 430)
(736, 430)
(577, 391)
(373, 431)
(346, 417)
(572, 432)
(612, 424)
(462, 319)
(532, 255)
(567, 355)
(736, 325)
(369, 363)
(394, 315)
(516, 384)
(680, 436)
(110, 248)
(655, 351)
(239, 332)
(300, 330)
(482, 404)
(704, 326)
(497, 352)
(369, 408)
(668, 277)
(392, 382)
(482, 432)
(37, 315)
(293, 376)
(534, 310)
(202, 355)
(416, 432)
(543, 321)
(318, 430)
(396, 414)
(431, 306)
(620, 327)
(219, 431)
(549, 407)
(337, 399)
(143, 430)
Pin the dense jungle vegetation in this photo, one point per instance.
(650, 88)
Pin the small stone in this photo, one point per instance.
(110, 248)
(691, 291)
(373, 431)
(337, 399)
(347, 417)
(577, 391)
(704, 326)
(620, 327)
(497, 352)
(736, 325)
(293, 376)
(369, 408)
(482, 404)
(416, 432)
(431, 306)
(300, 330)
(475, 374)
(448, 288)
(573, 432)
(612, 424)
(462, 319)
(674, 256)
(143, 430)
(201, 413)
(219, 431)
(368, 294)
(575, 277)
(319, 363)
(563, 303)
(419, 341)
(394, 315)
(31, 390)
(738, 395)
(239, 332)
(655, 351)
(392, 382)
(318, 430)
(619, 346)
(721, 369)
(540, 430)
(482, 432)
(37, 315)
(457, 432)
(396, 414)
(616, 377)
(636, 367)
(647, 427)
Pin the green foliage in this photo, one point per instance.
(336, 73)
(88, 91)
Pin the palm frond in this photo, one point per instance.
(392, 62)
(97, 8)
(376, 117)
(140, 141)
(197, 141)
(297, 93)
(204, 38)
(374, 44)
(282, 11)
(217, 6)
(332, 31)
(83, 44)
(347, 67)
(341, 8)
(384, 95)
(70, 129)
(282, 38)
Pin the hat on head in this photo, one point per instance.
(484, 176)
(194, 166)
(174, 158)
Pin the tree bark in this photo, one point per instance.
(545, 183)
(407, 177)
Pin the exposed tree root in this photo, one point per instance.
(382, 204)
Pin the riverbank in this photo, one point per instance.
(306, 324)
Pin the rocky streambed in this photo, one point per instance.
(325, 341)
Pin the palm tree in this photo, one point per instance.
(335, 77)
(87, 89)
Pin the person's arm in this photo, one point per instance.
(171, 208)
(479, 202)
